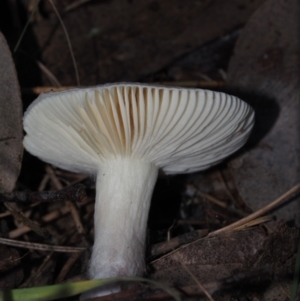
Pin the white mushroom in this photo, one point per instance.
(123, 134)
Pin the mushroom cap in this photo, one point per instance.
(179, 130)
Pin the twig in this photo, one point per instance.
(45, 219)
(228, 192)
(212, 199)
(74, 193)
(259, 212)
(19, 215)
(255, 222)
(40, 247)
(51, 77)
(219, 203)
(5, 214)
(71, 206)
(169, 230)
(67, 266)
(54, 178)
(206, 293)
(19, 231)
(44, 182)
(41, 270)
(284, 291)
(170, 245)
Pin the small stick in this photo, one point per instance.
(44, 182)
(51, 77)
(37, 274)
(40, 247)
(202, 288)
(255, 222)
(5, 214)
(54, 178)
(46, 219)
(67, 266)
(19, 231)
(71, 206)
(219, 203)
(170, 245)
(72, 193)
(228, 192)
(212, 199)
(259, 212)
(169, 231)
(20, 216)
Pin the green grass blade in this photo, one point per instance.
(58, 291)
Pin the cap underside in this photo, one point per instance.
(179, 130)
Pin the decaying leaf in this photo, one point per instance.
(263, 259)
(11, 147)
(265, 71)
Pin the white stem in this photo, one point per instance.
(124, 190)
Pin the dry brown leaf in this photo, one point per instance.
(235, 254)
(265, 70)
(11, 135)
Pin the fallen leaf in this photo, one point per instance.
(265, 71)
(238, 255)
(11, 135)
